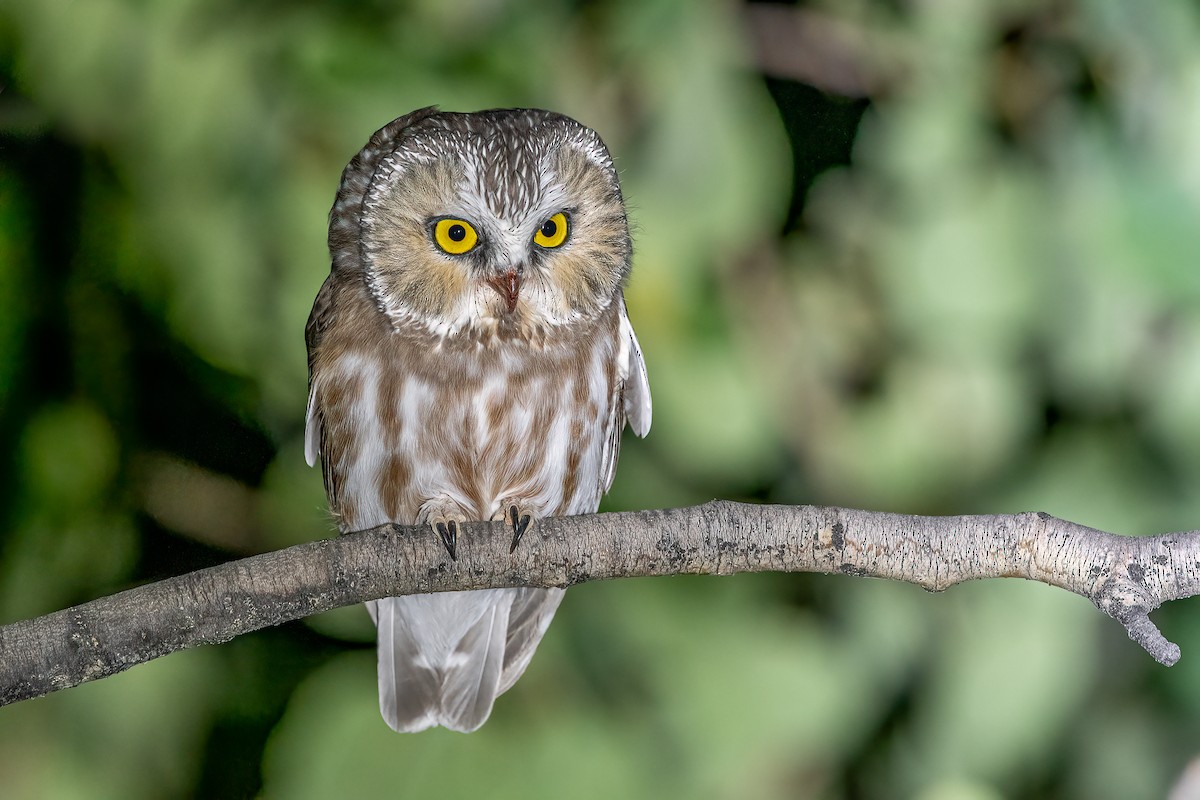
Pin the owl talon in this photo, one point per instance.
(520, 524)
(448, 531)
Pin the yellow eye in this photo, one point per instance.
(455, 236)
(553, 231)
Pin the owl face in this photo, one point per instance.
(495, 222)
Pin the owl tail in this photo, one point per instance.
(444, 658)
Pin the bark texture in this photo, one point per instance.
(1125, 577)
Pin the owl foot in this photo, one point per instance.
(448, 531)
(444, 518)
(515, 514)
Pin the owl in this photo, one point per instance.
(471, 358)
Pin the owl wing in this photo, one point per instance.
(318, 321)
(636, 386)
(632, 398)
(528, 619)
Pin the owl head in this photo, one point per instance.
(497, 222)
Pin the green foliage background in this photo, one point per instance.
(976, 289)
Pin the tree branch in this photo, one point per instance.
(1125, 577)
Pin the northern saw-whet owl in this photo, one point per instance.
(471, 358)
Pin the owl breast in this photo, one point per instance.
(412, 421)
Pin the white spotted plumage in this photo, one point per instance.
(438, 394)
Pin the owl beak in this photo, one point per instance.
(508, 286)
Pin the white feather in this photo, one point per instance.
(444, 658)
(312, 430)
(637, 382)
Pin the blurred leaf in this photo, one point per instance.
(998, 695)
(84, 743)
(333, 737)
(70, 456)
